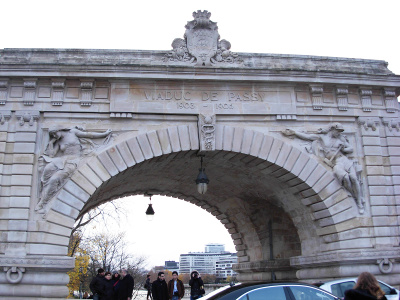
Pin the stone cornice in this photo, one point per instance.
(149, 64)
(263, 266)
(154, 58)
(38, 262)
(203, 75)
(345, 257)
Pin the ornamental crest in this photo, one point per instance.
(201, 45)
(202, 37)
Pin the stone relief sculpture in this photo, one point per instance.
(207, 132)
(61, 158)
(224, 54)
(333, 147)
(179, 51)
(201, 45)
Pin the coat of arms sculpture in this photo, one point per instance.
(201, 45)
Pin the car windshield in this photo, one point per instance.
(339, 288)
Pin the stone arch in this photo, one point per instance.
(304, 176)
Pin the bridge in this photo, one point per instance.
(302, 153)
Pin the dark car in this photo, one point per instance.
(270, 291)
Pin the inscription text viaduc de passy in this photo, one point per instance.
(175, 98)
(204, 96)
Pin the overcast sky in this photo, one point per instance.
(351, 28)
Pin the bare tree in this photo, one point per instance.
(108, 250)
(101, 213)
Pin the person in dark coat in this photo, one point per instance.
(147, 286)
(125, 290)
(366, 288)
(195, 283)
(159, 288)
(116, 279)
(109, 287)
(176, 289)
(97, 285)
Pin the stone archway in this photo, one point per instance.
(274, 191)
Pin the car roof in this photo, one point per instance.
(336, 281)
(247, 286)
(267, 283)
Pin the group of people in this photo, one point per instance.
(112, 286)
(174, 290)
(107, 286)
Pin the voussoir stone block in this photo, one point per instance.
(174, 138)
(194, 137)
(164, 141)
(90, 175)
(154, 143)
(309, 169)
(108, 163)
(97, 167)
(57, 218)
(266, 147)
(65, 209)
(76, 190)
(83, 182)
(70, 199)
(126, 154)
(237, 139)
(117, 159)
(228, 138)
(184, 138)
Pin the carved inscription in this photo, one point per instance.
(224, 106)
(176, 97)
(167, 95)
(171, 95)
(245, 96)
(185, 105)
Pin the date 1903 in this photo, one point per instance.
(185, 105)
